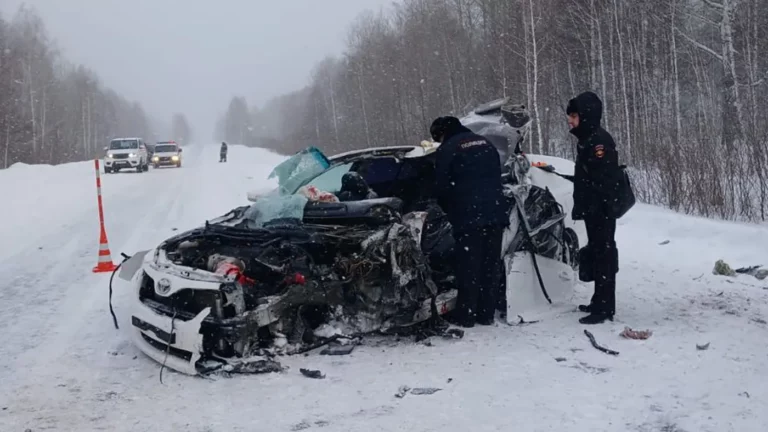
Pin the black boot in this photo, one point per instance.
(486, 321)
(460, 319)
(596, 318)
(585, 308)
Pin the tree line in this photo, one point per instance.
(684, 83)
(52, 111)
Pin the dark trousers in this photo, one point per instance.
(604, 260)
(478, 272)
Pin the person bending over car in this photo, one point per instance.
(469, 190)
(596, 196)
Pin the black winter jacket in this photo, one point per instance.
(468, 181)
(597, 175)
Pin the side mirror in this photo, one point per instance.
(106, 148)
(180, 150)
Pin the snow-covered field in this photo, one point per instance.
(64, 367)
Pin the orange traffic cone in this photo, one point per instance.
(105, 264)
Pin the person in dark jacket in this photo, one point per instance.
(595, 192)
(469, 190)
(223, 152)
(355, 188)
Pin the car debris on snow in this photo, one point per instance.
(425, 391)
(338, 350)
(252, 367)
(419, 391)
(402, 391)
(314, 374)
(723, 269)
(628, 333)
(757, 271)
(598, 346)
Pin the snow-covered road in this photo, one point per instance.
(64, 367)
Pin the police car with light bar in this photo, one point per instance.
(167, 153)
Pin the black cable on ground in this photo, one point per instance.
(111, 278)
(170, 339)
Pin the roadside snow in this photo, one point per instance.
(65, 368)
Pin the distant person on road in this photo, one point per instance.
(223, 152)
(596, 194)
(469, 190)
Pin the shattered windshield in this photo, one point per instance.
(299, 169)
(330, 180)
(271, 208)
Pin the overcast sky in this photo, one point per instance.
(192, 56)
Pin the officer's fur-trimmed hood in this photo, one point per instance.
(590, 109)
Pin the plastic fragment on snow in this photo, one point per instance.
(336, 350)
(453, 333)
(757, 271)
(314, 374)
(419, 391)
(402, 391)
(254, 367)
(425, 391)
(628, 333)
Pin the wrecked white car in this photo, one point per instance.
(345, 246)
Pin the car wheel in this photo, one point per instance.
(107, 170)
(571, 248)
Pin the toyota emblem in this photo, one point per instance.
(163, 286)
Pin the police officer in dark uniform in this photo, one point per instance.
(469, 190)
(223, 152)
(596, 192)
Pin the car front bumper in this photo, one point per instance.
(165, 335)
(165, 161)
(127, 163)
(170, 341)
